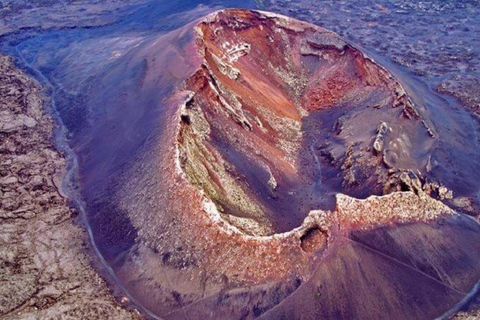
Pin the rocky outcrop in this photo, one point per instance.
(382, 131)
(45, 258)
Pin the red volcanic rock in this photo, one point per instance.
(232, 207)
(255, 120)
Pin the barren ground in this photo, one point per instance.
(45, 259)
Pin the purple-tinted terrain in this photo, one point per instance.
(244, 164)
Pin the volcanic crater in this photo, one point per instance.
(250, 165)
(282, 116)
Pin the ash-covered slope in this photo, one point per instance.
(214, 162)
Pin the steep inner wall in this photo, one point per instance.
(262, 133)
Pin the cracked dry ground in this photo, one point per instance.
(45, 270)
